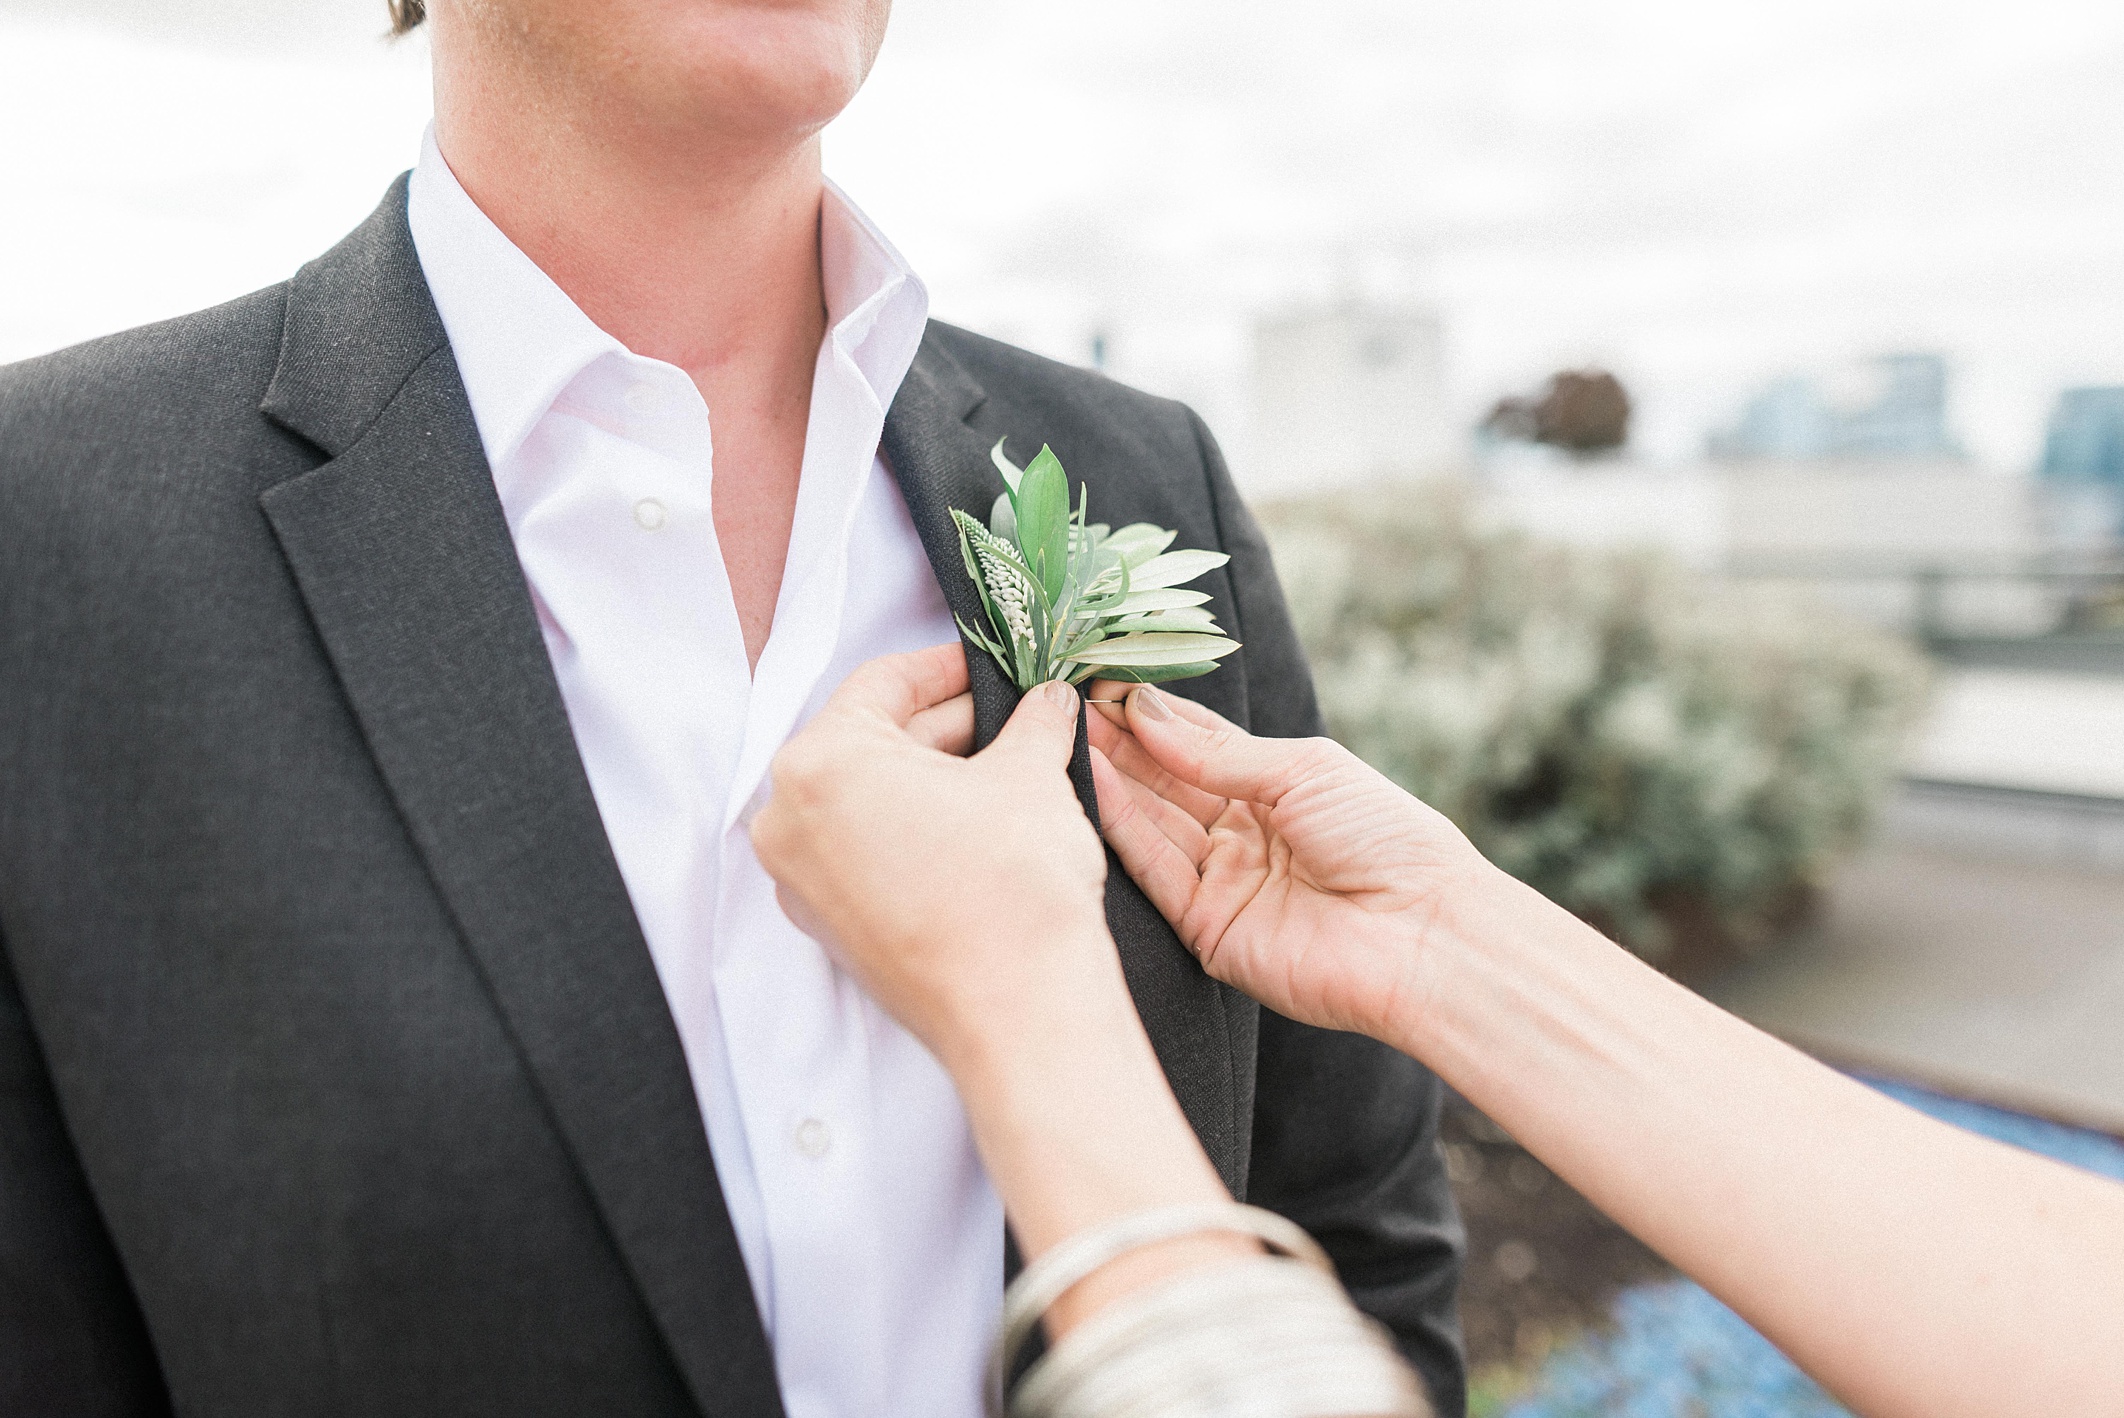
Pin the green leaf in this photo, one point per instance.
(1044, 521)
(1011, 471)
(1157, 674)
(1164, 598)
(1002, 518)
(1138, 542)
(1156, 649)
(966, 553)
(1101, 576)
(995, 650)
(1176, 568)
(1188, 619)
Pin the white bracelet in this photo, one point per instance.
(1257, 1337)
(1043, 1282)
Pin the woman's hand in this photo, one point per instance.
(957, 890)
(966, 895)
(1292, 870)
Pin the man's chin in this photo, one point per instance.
(762, 70)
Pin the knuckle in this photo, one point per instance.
(1319, 755)
(800, 774)
(1218, 743)
(770, 837)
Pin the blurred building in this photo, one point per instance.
(1896, 408)
(1345, 394)
(2085, 441)
(1894, 516)
(2082, 472)
(1919, 545)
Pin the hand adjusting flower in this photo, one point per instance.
(1067, 598)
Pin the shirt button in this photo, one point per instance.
(813, 1138)
(649, 514)
(641, 398)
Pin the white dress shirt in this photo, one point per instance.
(871, 1234)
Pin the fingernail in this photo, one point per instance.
(1057, 693)
(1151, 704)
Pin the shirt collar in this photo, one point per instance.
(520, 341)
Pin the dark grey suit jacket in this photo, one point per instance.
(334, 1074)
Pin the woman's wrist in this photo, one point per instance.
(1060, 1081)
(991, 1024)
(1483, 911)
(1078, 1127)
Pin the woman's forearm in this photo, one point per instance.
(1078, 1127)
(1914, 1269)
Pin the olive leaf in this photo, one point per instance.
(1068, 598)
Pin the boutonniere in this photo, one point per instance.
(1067, 598)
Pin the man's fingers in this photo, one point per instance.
(899, 687)
(946, 727)
(1205, 751)
(1164, 872)
(1043, 727)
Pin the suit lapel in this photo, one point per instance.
(941, 461)
(403, 557)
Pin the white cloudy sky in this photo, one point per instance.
(1699, 194)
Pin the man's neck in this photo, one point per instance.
(700, 252)
(705, 258)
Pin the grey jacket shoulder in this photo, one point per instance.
(1078, 407)
(196, 376)
(997, 365)
(117, 454)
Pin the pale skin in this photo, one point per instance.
(1914, 1270)
(1102, 1116)
(659, 159)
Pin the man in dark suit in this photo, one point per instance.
(390, 1019)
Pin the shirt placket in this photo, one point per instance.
(796, 1030)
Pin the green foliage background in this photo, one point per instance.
(1613, 729)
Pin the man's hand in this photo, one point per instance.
(957, 890)
(1291, 869)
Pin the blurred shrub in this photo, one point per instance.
(1644, 745)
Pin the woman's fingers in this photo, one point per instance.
(947, 727)
(1201, 750)
(1122, 750)
(1182, 830)
(899, 687)
(1164, 872)
(1042, 729)
(1114, 696)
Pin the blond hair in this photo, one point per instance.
(405, 14)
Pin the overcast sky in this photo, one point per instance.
(1700, 195)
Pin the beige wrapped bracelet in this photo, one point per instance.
(1272, 1336)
